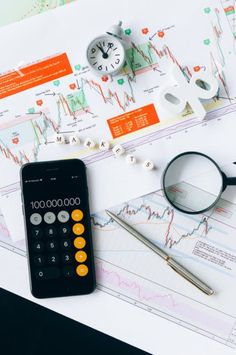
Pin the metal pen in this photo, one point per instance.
(181, 270)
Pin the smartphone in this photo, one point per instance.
(58, 229)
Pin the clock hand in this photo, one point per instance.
(110, 45)
(100, 48)
(104, 54)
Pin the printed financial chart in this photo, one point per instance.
(129, 271)
(77, 103)
(205, 244)
(124, 110)
(229, 8)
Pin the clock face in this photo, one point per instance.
(106, 54)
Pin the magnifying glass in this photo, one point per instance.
(193, 182)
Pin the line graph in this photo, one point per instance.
(49, 127)
(7, 243)
(130, 211)
(128, 271)
(3, 228)
(154, 214)
(140, 292)
(147, 55)
(18, 159)
(229, 9)
(20, 140)
(141, 56)
(219, 114)
(203, 222)
(75, 104)
(82, 103)
(110, 96)
(77, 101)
(177, 232)
(165, 302)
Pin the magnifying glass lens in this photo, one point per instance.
(192, 183)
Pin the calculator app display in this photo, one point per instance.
(58, 228)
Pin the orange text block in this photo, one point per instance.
(33, 75)
(133, 121)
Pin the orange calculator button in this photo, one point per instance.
(77, 215)
(81, 256)
(79, 242)
(78, 229)
(82, 270)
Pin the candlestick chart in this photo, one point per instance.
(20, 139)
(128, 270)
(81, 100)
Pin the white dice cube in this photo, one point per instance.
(60, 138)
(89, 143)
(148, 165)
(104, 145)
(74, 139)
(118, 150)
(130, 159)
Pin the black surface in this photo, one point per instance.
(30, 329)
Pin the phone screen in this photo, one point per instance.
(52, 188)
(56, 209)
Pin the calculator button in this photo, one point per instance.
(35, 219)
(79, 242)
(38, 246)
(66, 243)
(47, 273)
(39, 260)
(37, 232)
(53, 259)
(50, 231)
(40, 274)
(82, 270)
(81, 256)
(67, 258)
(63, 216)
(49, 217)
(64, 231)
(77, 215)
(52, 245)
(78, 229)
(68, 271)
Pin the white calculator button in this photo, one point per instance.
(35, 219)
(49, 217)
(63, 216)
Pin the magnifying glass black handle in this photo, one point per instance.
(227, 181)
(231, 180)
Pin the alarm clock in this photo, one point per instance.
(106, 53)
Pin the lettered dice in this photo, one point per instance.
(148, 165)
(118, 150)
(89, 143)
